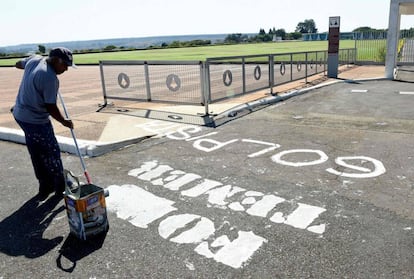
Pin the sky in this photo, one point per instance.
(45, 21)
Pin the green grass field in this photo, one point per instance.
(201, 53)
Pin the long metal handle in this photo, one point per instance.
(85, 171)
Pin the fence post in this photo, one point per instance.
(271, 73)
(103, 85)
(205, 85)
(306, 68)
(147, 81)
(244, 75)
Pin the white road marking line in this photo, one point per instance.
(359, 90)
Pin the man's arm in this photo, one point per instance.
(54, 111)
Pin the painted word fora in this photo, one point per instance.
(205, 144)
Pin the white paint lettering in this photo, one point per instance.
(233, 253)
(154, 173)
(157, 126)
(277, 158)
(136, 205)
(379, 168)
(147, 166)
(304, 215)
(272, 147)
(262, 207)
(218, 195)
(185, 179)
(200, 231)
(214, 144)
(201, 188)
(202, 136)
(183, 133)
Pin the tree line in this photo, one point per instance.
(303, 27)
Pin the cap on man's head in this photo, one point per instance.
(64, 54)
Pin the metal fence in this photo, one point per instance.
(233, 76)
(197, 82)
(372, 45)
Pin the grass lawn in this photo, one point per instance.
(201, 53)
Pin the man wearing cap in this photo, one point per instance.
(35, 102)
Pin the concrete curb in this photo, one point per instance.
(86, 147)
(274, 99)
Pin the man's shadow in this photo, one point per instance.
(74, 249)
(22, 232)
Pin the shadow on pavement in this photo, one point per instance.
(74, 249)
(22, 232)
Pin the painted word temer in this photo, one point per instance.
(141, 208)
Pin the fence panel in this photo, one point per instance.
(124, 82)
(165, 81)
(175, 83)
(298, 66)
(256, 73)
(225, 78)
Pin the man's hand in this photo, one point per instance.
(67, 123)
(55, 113)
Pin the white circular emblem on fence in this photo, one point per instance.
(227, 78)
(173, 82)
(123, 80)
(282, 69)
(257, 73)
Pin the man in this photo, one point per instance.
(35, 102)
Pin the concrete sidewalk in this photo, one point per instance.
(101, 132)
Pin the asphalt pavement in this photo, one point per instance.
(315, 185)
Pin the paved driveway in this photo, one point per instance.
(318, 186)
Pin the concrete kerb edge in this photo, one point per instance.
(66, 144)
(274, 99)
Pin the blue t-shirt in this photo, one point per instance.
(39, 87)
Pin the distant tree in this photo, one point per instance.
(363, 29)
(235, 38)
(280, 33)
(294, 36)
(175, 44)
(195, 43)
(109, 48)
(263, 36)
(42, 49)
(308, 26)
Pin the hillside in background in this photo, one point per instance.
(138, 43)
